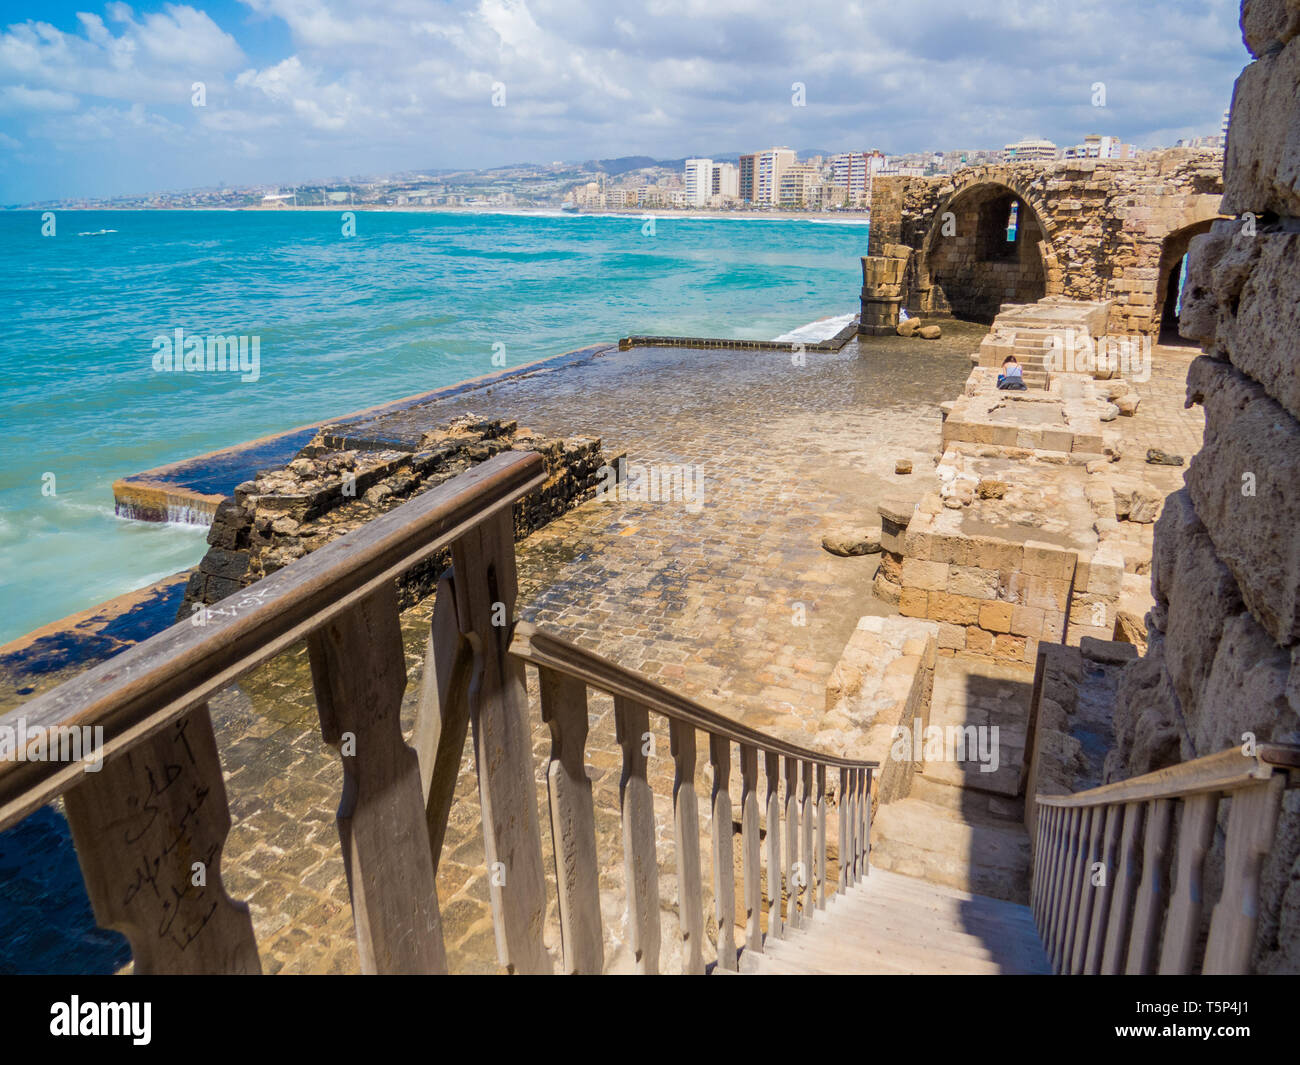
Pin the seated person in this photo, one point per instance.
(1010, 378)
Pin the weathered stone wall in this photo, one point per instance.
(1089, 229)
(330, 489)
(1224, 636)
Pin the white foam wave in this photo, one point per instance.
(822, 329)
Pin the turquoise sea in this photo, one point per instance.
(412, 302)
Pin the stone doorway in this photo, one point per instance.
(983, 251)
(1173, 265)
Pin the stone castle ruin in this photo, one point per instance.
(1084, 229)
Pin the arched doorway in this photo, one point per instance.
(983, 250)
(1169, 282)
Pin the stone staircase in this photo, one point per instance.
(896, 925)
(959, 826)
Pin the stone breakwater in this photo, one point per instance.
(341, 480)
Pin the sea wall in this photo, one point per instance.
(1223, 663)
(338, 482)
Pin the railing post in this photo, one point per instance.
(1252, 821)
(1061, 892)
(358, 668)
(1087, 892)
(842, 816)
(865, 862)
(641, 866)
(573, 822)
(149, 824)
(442, 720)
(1151, 893)
(772, 767)
(686, 832)
(749, 849)
(486, 587)
(1183, 919)
(1101, 904)
(1078, 887)
(791, 841)
(724, 860)
(1126, 885)
(821, 836)
(806, 847)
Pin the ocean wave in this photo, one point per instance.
(822, 329)
(96, 232)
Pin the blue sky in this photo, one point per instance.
(97, 99)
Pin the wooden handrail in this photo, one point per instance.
(1110, 882)
(541, 648)
(1224, 771)
(796, 866)
(141, 690)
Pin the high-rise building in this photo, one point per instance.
(726, 181)
(748, 164)
(796, 185)
(699, 182)
(768, 168)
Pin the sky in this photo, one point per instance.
(101, 100)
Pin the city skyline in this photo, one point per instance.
(122, 100)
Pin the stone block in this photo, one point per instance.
(952, 637)
(1001, 555)
(1261, 340)
(972, 581)
(996, 617)
(1009, 647)
(1048, 560)
(913, 603)
(1245, 486)
(1027, 621)
(1261, 169)
(920, 573)
(1105, 573)
(1246, 691)
(954, 609)
(978, 641)
(1265, 23)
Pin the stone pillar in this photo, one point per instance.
(882, 294)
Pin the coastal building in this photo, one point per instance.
(768, 168)
(1095, 146)
(797, 183)
(1030, 149)
(726, 181)
(747, 166)
(698, 179)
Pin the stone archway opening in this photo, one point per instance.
(984, 250)
(1169, 281)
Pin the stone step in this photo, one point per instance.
(934, 843)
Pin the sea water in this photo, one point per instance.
(412, 302)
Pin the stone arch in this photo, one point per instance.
(1173, 251)
(967, 274)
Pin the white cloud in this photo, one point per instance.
(387, 84)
